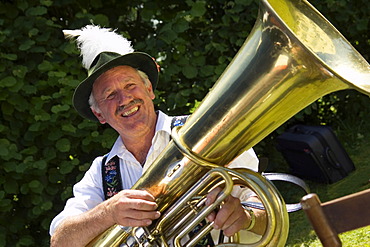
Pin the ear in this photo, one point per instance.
(99, 116)
(150, 91)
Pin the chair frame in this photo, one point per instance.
(337, 216)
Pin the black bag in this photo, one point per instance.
(314, 152)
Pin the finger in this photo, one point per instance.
(134, 217)
(135, 199)
(211, 196)
(141, 215)
(238, 219)
(139, 194)
(211, 217)
(135, 222)
(140, 205)
(229, 213)
(233, 228)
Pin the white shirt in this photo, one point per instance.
(88, 193)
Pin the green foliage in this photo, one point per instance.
(45, 146)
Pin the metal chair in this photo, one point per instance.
(339, 215)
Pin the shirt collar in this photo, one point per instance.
(163, 124)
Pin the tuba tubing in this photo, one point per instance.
(292, 57)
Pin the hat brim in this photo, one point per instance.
(137, 60)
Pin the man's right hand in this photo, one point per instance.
(127, 208)
(132, 208)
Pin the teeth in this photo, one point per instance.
(127, 113)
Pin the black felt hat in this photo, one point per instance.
(103, 49)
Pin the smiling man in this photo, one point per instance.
(124, 101)
(119, 91)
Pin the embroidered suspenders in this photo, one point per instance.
(112, 183)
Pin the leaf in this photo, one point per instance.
(244, 2)
(29, 89)
(21, 168)
(26, 240)
(168, 36)
(4, 143)
(181, 26)
(59, 108)
(35, 126)
(40, 164)
(42, 116)
(26, 45)
(186, 92)
(66, 167)
(207, 70)
(36, 210)
(23, 5)
(11, 57)
(95, 134)
(96, 4)
(20, 71)
(101, 19)
(147, 14)
(198, 9)
(69, 128)
(33, 32)
(11, 186)
(45, 66)
(189, 72)
(5, 205)
(180, 100)
(36, 11)
(57, 73)
(8, 81)
(63, 145)
(36, 186)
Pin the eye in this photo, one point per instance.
(130, 85)
(111, 95)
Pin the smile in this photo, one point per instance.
(130, 112)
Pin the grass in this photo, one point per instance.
(301, 233)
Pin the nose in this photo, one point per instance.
(124, 97)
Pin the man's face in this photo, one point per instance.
(125, 102)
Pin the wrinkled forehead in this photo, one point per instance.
(119, 73)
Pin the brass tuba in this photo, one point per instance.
(292, 57)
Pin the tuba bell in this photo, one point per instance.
(292, 57)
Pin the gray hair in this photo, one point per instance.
(94, 104)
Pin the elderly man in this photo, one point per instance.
(119, 91)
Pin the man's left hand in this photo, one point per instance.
(231, 217)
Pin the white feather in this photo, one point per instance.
(92, 40)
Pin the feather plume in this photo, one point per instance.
(92, 40)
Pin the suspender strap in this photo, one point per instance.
(178, 121)
(112, 183)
